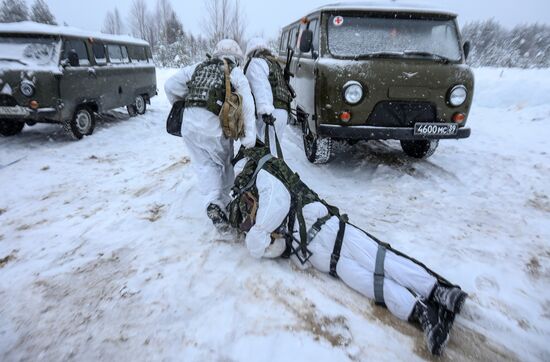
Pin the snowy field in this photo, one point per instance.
(105, 253)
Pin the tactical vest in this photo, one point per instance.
(240, 209)
(206, 89)
(281, 94)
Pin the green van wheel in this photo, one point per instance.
(82, 124)
(318, 150)
(140, 104)
(421, 149)
(10, 128)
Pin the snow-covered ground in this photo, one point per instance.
(105, 253)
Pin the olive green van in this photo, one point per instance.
(55, 74)
(367, 72)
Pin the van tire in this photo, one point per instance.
(141, 104)
(10, 128)
(132, 112)
(318, 150)
(82, 124)
(421, 149)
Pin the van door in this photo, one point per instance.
(305, 71)
(78, 83)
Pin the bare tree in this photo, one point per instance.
(170, 27)
(113, 23)
(137, 19)
(152, 32)
(13, 11)
(40, 12)
(238, 24)
(218, 19)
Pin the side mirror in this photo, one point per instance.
(306, 41)
(466, 47)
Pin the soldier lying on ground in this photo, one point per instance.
(281, 216)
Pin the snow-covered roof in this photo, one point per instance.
(29, 27)
(387, 6)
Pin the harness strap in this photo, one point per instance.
(225, 107)
(335, 257)
(269, 120)
(379, 275)
(316, 227)
(302, 230)
(261, 164)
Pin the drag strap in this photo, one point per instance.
(379, 275)
(335, 257)
(269, 120)
(259, 167)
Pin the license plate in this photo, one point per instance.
(435, 129)
(14, 111)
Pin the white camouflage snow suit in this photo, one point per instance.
(258, 74)
(211, 152)
(404, 281)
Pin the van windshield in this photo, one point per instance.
(29, 52)
(363, 36)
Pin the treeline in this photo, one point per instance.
(172, 45)
(524, 46)
(17, 10)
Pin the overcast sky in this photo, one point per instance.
(266, 17)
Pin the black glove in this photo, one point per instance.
(268, 119)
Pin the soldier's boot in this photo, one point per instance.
(451, 298)
(436, 324)
(218, 216)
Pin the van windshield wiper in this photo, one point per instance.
(379, 55)
(427, 55)
(13, 60)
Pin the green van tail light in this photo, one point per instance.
(459, 117)
(345, 117)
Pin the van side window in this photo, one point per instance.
(284, 42)
(125, 58)
(99, 53)
(75, 53)
(115, 54)
(137, 54)
(292, 38)
(313, 26)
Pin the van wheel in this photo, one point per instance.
(82, 124)
(318, 150)
(10, 128)
(132, 112)
(419, 149)
(140, 104)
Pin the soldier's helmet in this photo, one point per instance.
(228, 48)
(256, 44)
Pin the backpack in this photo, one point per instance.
(231, 115)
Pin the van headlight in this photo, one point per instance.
(353, 92)
(457, 95)
(27, 88)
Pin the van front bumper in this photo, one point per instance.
(25, 113)
(381, 133)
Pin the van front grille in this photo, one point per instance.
(402, 114)
(7, 101)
